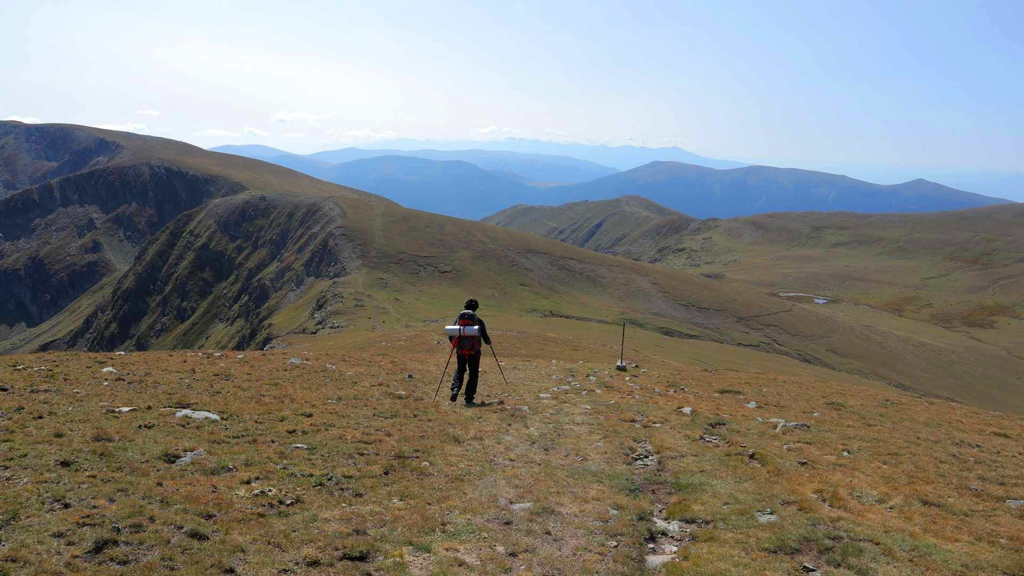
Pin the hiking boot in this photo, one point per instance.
(471, 404)
(455, 396)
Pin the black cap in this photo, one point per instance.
(472, 304)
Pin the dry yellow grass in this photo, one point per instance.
(390, 483)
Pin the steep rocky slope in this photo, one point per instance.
(61, 236)
(30, 154)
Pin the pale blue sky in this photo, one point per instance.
(913, 84)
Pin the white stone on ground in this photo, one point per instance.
(189, 456)
(196, 415)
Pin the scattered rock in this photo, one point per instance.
(644, 457)
(666, 527)
(612, 544)
(766, 516)
(802, 425)
(189, 456)
(752, 404)
(409, 376)
(109, 370)
(808, 568)
(1015, 504)
(522, 506)
(710, 439)
(268, 491)
(802, 462)
(240, 356)
(299, 447)
(122, 410)
(655, 561)
(687, 410)
(560, 388)
(197, 415)
(543, 395)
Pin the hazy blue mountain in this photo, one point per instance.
(1008, 185)
(476, 183)
(618, 157)
(257, 151)
(304, 164)
(453, 188)
(538, 168)
(706, 192)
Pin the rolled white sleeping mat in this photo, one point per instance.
(462, 330)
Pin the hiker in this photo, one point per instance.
(468, 350)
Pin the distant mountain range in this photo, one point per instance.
(618, 157)
(705, 192)
(450, 187)
(476, 183)
(544, 169)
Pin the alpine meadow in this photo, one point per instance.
(537, 289)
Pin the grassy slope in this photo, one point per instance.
(360, 498)
(952, 277)
(882, 483)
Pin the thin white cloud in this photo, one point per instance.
(498, 130)
(25, 119)
(248, 131)
(130, 127)
(215, 133)
(671, 141)
(147, 112)
(294, 135)
(553, 134)
(363, 134)
(294, 118)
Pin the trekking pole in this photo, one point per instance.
(443, 373)
(499, 365)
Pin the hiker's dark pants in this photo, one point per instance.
(473, 362)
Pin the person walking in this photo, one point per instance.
(468, 350)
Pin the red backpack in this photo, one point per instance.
(466, 345)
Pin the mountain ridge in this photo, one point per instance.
(289, 254)
(706, 192)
